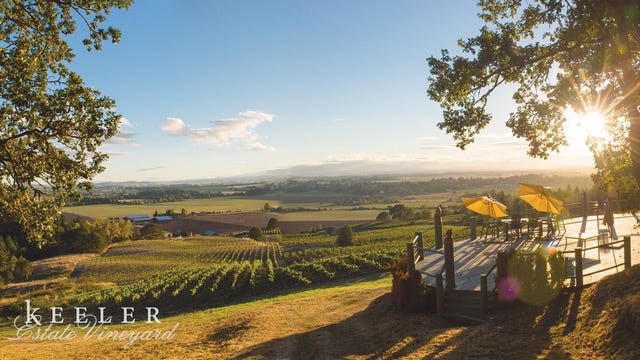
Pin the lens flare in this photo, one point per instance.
(509, 287)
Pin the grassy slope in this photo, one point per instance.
(354, 320)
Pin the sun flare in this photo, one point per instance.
(578, 128)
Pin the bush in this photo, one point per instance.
(532, 278)
(408, 291)
(256, 234)
(151, 231)
(345, 236)
(383, 216)
(273, 223)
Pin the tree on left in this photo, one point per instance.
(51, 123)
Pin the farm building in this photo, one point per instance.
(138, 219)
(162, 219)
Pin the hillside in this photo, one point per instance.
(353, 319)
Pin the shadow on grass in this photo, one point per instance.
(378, 331)
(520, 332)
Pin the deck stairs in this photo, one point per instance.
(465, 306)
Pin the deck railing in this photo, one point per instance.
(415, 251)
(484, 289)
(578, 255)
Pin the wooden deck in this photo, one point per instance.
(476, 257)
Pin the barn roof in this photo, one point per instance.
(138, 217)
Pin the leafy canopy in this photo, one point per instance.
(560, 54)
(51, 123)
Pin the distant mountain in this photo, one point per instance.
(386, 168)
(370, 168)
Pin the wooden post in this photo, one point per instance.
(411, 259)
(420, 245)
(584, 212)
(473, 223)
(578, 255)
(484, 294)
(627, 252)
(448, 260)
(437, 225)
(439, 294)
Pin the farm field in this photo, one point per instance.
(330, 215)
(226, 204)
(134, 260)
(235, 222)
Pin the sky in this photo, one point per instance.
(213, 89)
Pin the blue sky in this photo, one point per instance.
(215, 89)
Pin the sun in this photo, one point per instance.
(578, 128)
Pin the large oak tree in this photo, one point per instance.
(51, 123)
(560, 54)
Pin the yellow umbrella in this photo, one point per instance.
(485, 206)
(540, 198)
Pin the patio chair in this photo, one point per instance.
(515, 227)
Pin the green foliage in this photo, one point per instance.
(82, 236)
(256, 234)
(12, 263)
(345, 236)
(52, 124)
(23, 268)
(383, 216)
(539, 277)
(273, 223)
(400, 212)
(580, 54)
(151, 231)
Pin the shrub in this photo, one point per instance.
(408, 291)
(345, 236)
(151, 231)
(532, 278)
(256, 234)
(383, 216)
(273, 223)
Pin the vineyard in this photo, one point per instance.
(213, 285)
(127, 262)
(212, 271)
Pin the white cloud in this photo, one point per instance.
(222, 132)
(151, 168)
(123, 137)
(125, 122)
(427, 138)
(118, 153)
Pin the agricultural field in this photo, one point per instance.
(134, 260)
(225, 204)
(212, 271)
(330, 215)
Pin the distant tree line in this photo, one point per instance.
(402, 212)
(380, 188)
(345, 190)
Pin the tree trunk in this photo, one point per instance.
(634, 139)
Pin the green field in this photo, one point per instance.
(195, 205)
